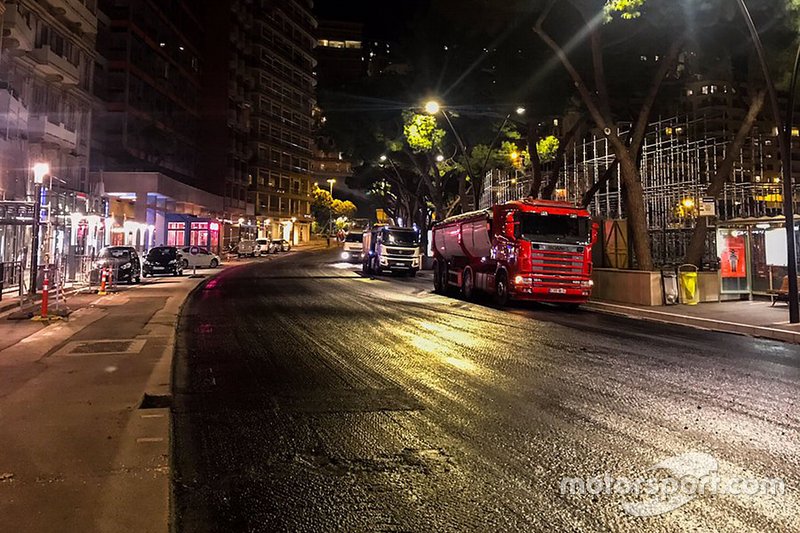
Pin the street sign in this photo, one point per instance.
(16, 212)
(707, 207)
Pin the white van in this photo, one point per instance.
(262, 247)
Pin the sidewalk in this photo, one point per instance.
(80, 451)
(756, 318)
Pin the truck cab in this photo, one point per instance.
(353, 245)
(391, 249)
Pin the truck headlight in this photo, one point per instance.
(384, 261)
(522, 280)
(345, 255)
(587, 284)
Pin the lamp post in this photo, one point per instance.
(432, 107)
(330, 209)
(785, 144)
(40, 170)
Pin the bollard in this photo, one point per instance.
(103, 275)
(45, 294)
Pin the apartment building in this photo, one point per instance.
(260, 91)
(46, 64)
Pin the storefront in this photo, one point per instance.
(189, 230)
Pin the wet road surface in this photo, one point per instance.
(308, 398)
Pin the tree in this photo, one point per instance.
(344, 208)
(598, 101)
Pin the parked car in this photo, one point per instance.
(122, 261)
(262, 247)
(246, 248)
(163, 260)
(280, 245)
(203, 258)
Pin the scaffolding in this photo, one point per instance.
(679, 158)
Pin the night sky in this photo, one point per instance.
(382, 19)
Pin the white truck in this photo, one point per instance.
(391, 249)
(352, 247)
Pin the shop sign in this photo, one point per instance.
(708, 207)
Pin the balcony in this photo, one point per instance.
(17, 33)
(54, 65)
(40, 129)
(13, 114)
(75, 12)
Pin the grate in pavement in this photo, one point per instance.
(102, 347)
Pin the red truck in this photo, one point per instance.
(528, 249)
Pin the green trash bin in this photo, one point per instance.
(690, 291)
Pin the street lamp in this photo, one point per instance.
(439, 158)
(432, 107)
(40, 170)
(383, 158)
(330, 209)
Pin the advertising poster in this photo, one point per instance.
(732, 256)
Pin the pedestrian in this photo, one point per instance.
(328, 240)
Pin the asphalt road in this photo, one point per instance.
(308, 398)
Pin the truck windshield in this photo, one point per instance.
(554, 228)
(353, 237)
(401, 237)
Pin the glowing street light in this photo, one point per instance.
(439, 158)
(331, 182)
(383, 158)
(40, 170)
(432, 107)
(520, 110)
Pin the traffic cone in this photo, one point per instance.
(103, 277)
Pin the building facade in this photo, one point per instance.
(258, 130)
(147, 84)
(46, 70)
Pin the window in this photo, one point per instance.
(176, 233)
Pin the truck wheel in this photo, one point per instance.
(468, 284)
(501, 290)
(437, 279)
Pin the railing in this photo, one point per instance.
(10, 276)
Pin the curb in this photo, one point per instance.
(720, 326)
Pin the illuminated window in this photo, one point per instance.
(323, 42)
(352, 44)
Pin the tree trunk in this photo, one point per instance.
(636, 212)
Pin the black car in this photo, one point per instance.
(163, 260)
(122, 262)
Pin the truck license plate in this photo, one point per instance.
(558, 291)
